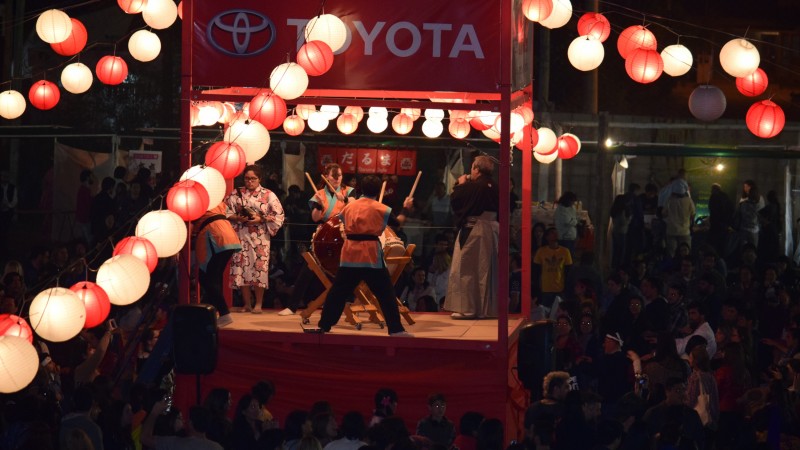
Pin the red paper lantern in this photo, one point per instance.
(44, 95)
(132, 6)
(268, 108)
(567, 147)
(347, 123)
(530, 137)
(478, 124)
(227, 157)
(754, 84)
(644, 66)
(180, 9)
(188, 199)
(111, 70)
(75, 42)
(96, 301)
(765, 119)
(11, 325)
(316, 57)
(459, 129)
(595, 25)
(139, 247)
(635, 37)
(402, 124)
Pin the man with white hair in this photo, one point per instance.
(678, 214)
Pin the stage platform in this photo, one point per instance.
(461, 359)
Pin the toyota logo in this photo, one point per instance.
(239, 32)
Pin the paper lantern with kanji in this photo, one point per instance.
(111, 70)
(12, 104)
(188, 199)
(754, 84)
(144, 45)
(57, 314)
(294, 125)
(251, 135)
(568, 146)
(13, 325)
(132, 6)
(53, 26)
(347, 123)
(739, 58)
(644, 66)
(585, 53)
(125, 279)
(594, 25)
(268, 108)
(562, 12)
(402, 124)
(95, 300)
(227, 157)
(328, 29)
(548, 142)
(288, 80)
(707, 103)
(139, 247)
(75, 42)
(211, 179)
(677, 60)
(537, 10)
(76, 78)
(316, 57)
(459, 129)
(19, 364)
(765, 119)
(165, 230)
(160, 14)
(44, 95)
(635, 37)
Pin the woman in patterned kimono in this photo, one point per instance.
(256, 214)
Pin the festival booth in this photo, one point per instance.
(429, 54)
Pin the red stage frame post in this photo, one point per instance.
(186, 139)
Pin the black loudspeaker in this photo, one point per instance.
(194, 343)
(535, 356)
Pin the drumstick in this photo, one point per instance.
(414, 187)
(311, 181)
(383, 189)
(328, 183)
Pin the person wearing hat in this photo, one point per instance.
(614, 370)
(678, 214)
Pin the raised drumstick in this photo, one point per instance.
(311, 181)
(383, 189)
(333, 189)
(414, 187)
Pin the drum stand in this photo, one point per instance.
(366, 302)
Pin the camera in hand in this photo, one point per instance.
(248, 212)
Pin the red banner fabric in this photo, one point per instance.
(346, 157)
(327, 155)
(406, 163)
(387, 161)
(408, 45)
(367, 160)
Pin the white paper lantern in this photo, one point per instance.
(707, 103)
(288, 80)
(547, 141)
(545, 159)
(211, 179)
(251, 135)
(304, 111)
(328, 29)
(165, 230)
(434, 114)
(160, 14)
(19, 363)
(379, 111)
(739, 58)
(517, 122)
(488, 118)
(53, 26)
(318, 121)
(58, 314)
(585, 53)
(432, 128)
(329, 112)
(491, 133)
(125, 278)
(377, 124)
(77, 78)
(12, 104)
(677, 60)
(562, 12)
(144, 45)
(207, 114)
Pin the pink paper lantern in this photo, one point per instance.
(316, 57)
(537, 10)
(227, 157)
(75, 42)
(459, 129)
(96, 300)
(188, 199)
(402, 124)
(347, 123)
(594, 25)
(644, 66)
(139, 247)
(12, 325)
(111, 70)
(635, 37)
(754, 84)
(268, 108)
(294, 125)
(44, 95)
(765, 119)
(530, 137)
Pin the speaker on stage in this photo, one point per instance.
(194, 344)
(535, 356)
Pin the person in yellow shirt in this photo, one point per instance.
(554, 261)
